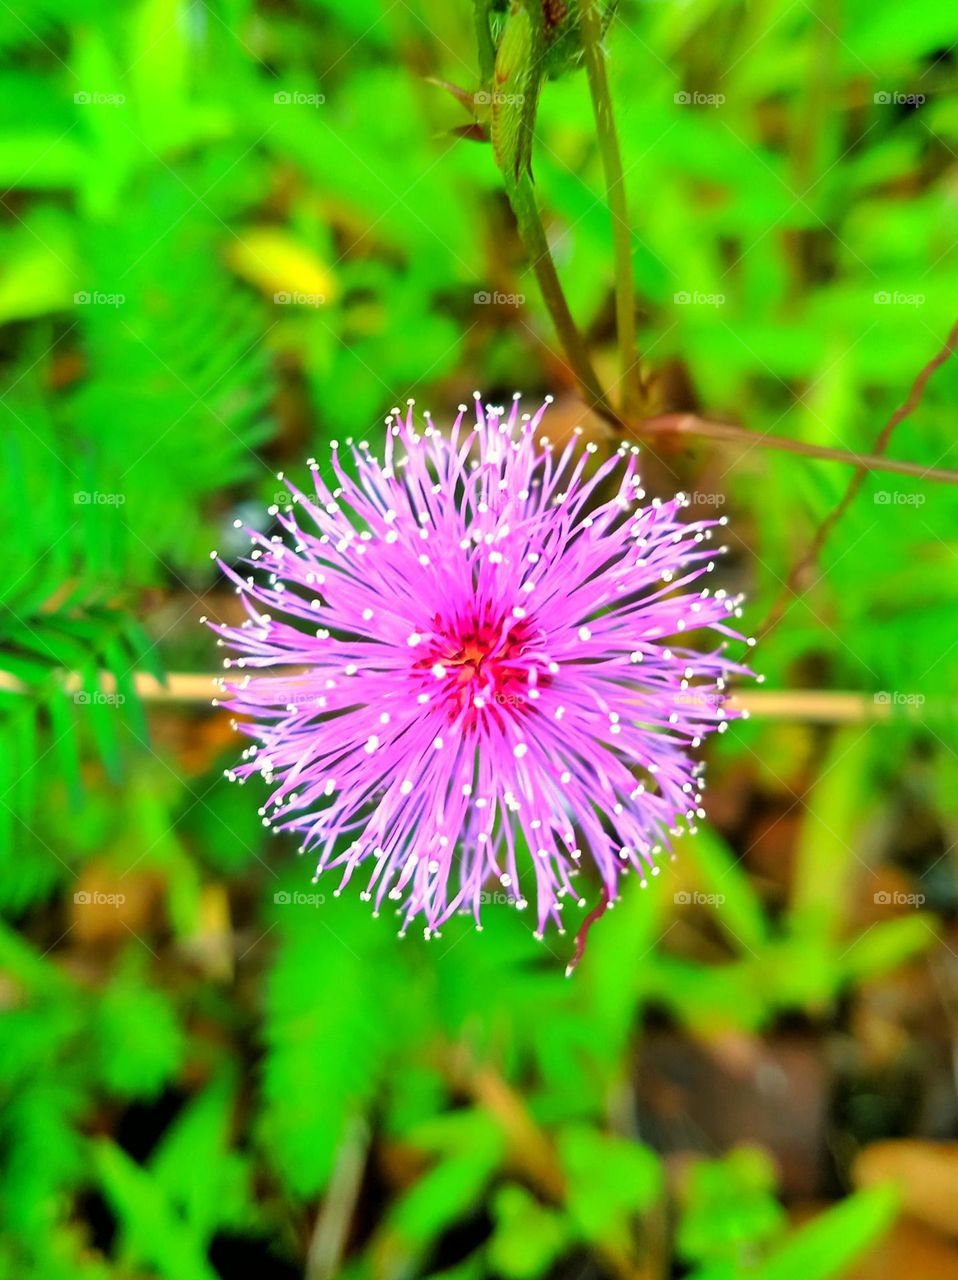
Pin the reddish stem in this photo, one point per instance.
(582, 937)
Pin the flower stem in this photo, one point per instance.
(633, 391)
(523, 202)
(484, 44)
(689, 424)
(792, 588)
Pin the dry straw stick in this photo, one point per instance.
(815, 706)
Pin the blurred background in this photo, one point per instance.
(232, 231)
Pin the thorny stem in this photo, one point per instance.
(484, 44)
(691, 425)
(633, 392)
(523, 202)
(789, 592)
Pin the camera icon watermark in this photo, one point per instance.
(87, 98)
(893, 98)
(688, 298)
(82, 698)
(885, 898)
(91, 298)
(896, 298)
(895, 698)
(692, 98)
(897, 498)
(86, 498)
(87, 898)
(707, 499)
(509, 699)
(485, 99)
(294, 298)
(292, 99)
(692, 898)
(484, 298)
(296, 898)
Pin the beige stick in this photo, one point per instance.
(817, 706)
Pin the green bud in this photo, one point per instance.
(515, 93)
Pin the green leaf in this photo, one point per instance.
(330, 1030)
(528, 1238)
(738, 909)
(139, 1043)
(610, 1181)
(453, 1189)
(828, 859)
(885, 947)
(196, 1167)
(730, 1209)
(152, 1233)
(824, 1247)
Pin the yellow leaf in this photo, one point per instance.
(282, 266)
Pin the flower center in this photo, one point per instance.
(485, 665)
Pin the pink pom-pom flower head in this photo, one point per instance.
(480, 666)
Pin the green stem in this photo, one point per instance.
(484, 45)
(523, 201)
(633, 391)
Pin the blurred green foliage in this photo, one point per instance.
(232, 231)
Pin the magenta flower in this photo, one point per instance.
(486, 676)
